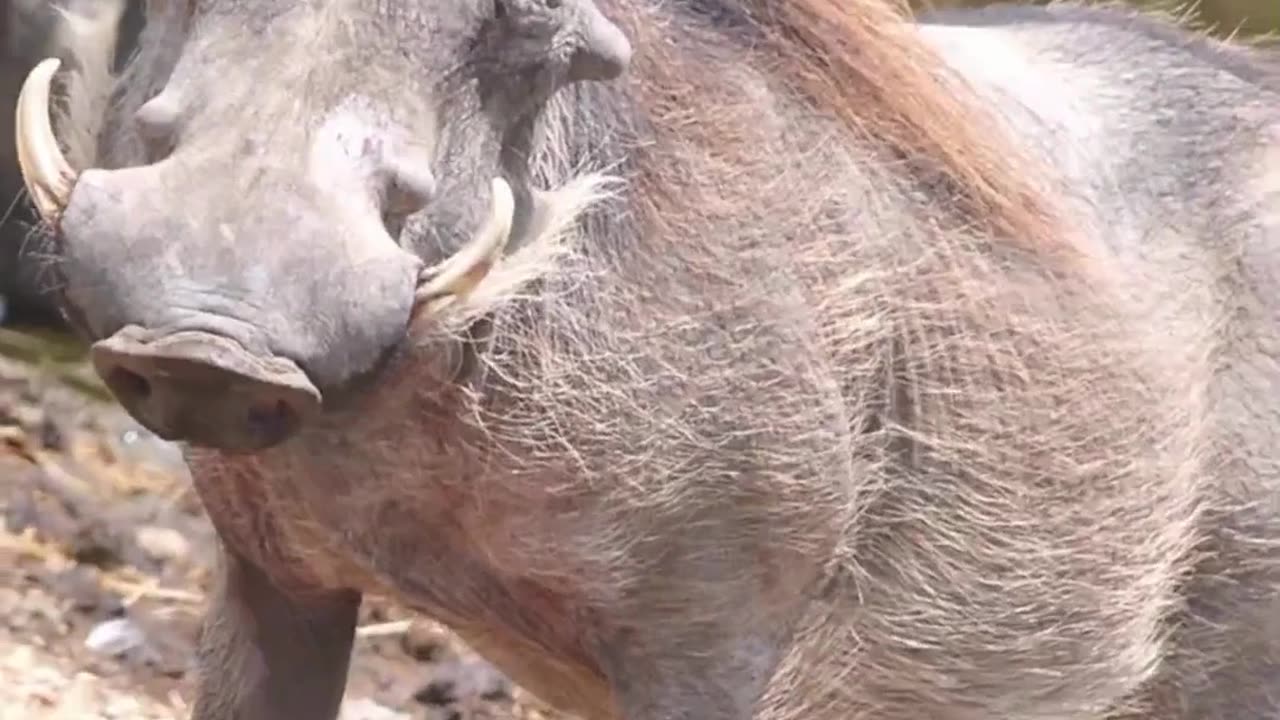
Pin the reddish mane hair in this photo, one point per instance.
(862, 61)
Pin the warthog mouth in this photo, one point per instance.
(51, 180)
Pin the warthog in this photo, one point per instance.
(85, 33)
(802, 363)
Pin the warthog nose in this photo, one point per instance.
(205, 389)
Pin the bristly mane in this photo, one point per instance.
(861, 60)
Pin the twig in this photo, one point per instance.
(395, 627)
(26, 543)
(135, 591)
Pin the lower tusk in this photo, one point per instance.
(457, 276)
(45, 171)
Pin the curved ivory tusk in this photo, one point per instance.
(46, 172)
(462, 272)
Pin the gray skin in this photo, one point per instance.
(31, 30)
(775, 430)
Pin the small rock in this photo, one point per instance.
(170, 643)
(366, 709)
(123, 707)
(162, 543)
(436, 692)
(114, 637)
(80, 586)
(425, 641)
(28, 417)
(76, 700)
(51, 435)
(20, 659)
(465, 681)
(39, 614)
(94, 542)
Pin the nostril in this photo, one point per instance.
(129, 384)
(272, 420)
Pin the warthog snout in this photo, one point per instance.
(205, 389)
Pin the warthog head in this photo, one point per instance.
(252, 263)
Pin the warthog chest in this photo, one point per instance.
(383, 521)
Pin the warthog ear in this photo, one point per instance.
(603, 52)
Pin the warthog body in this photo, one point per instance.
(871, 391)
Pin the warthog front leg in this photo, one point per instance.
(265, 655)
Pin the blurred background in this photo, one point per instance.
(105, 553)
(1246, 17)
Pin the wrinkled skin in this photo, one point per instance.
(29, 31)
(781, 427)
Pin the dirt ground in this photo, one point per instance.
(105, 556)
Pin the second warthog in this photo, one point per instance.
(903, 371)
(89, 34)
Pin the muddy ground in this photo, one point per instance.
(105, 556)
